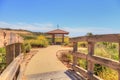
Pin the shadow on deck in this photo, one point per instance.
(55, 75)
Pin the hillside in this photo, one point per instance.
(17, 31)
(20, 31)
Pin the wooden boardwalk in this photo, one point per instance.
(46, 66)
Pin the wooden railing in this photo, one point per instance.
(12, 42)
(93, 59)
(12, 70)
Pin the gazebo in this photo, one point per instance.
(57, 32)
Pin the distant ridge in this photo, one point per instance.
(15, 29)
(21, 31)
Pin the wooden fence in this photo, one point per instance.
(93, 59)
(12, 70)
(12, 42)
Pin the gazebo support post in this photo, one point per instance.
(53, 38)
(62, 38)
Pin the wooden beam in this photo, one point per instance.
(80, 70)
(10, 53)
(75, 48)
(53, 38)
(62, 38)
(97, 38)
(105, 61)
(90, 66)
(17, 49)
(99, 60)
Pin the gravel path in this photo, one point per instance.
(45, 61)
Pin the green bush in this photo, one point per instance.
(98, 68)
(23, 48)
(26, 47)
(2, 50)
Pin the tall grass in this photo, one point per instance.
(108, 74)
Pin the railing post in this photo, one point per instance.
(119, 62)
(10, 53)
(90, 66)
(17, 49)
(75, 48)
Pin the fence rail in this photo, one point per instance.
(11, 72)
(93, 59)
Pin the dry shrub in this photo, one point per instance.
(65, 57)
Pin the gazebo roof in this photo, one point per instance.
(57, 31)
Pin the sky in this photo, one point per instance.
(75, 16)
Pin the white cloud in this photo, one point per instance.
(81, 31)
(31, 27)
(74, 31)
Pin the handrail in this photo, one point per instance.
(10, 72)
(7, 38)
(97, 38)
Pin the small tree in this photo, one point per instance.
(89, 34)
